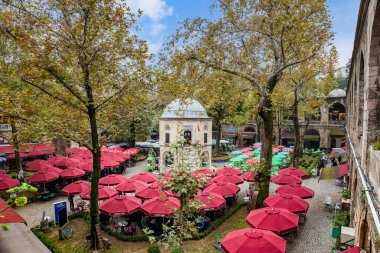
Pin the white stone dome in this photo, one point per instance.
(337, 93)
(185, 108)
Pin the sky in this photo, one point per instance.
(162, 17)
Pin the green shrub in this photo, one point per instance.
(341, 219)
(346, 194)
(13, 174)
(376, 145)
(48, 242)
(175, 250)
(154, 249)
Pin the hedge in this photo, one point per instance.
(49, 243)
(218, 222)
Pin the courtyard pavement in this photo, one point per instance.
(313, 237)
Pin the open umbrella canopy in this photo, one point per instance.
(76, 187)
(237, 159)
(109, 162)
(52, 169)
(87, 165)
(161, 206)
(285, 178)
(294, 172)
(13, 156)
(5, 176)
(62, 161)
(273, 219)
(112, 179)
(245, 150)
(289, 202)
(204, 172)
(351, 250)
(297, 190)
(149, 191)
(72, 173)
(235, 152)
(145, 177)
(283, 153)
(130, 185)
(250, 240)
(132, 151)
(210, 201)
(224, 189)
(120, 205)
(35, 165)
(252, 161)
(103, 191)
(8, 183)
(2, 171)
(43, 176)
(249, 176)
(229, 178)
(228, 170)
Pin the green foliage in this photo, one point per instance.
(154, 249)
(122, 237)
(46, 240)
(376, 145)
(341, 219)
(346, 194)
(5, 227)
(176, 250)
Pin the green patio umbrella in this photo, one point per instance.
(237, 159)
(235, 152)
(150, 158)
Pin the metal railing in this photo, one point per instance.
(367, 186)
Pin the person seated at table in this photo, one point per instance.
(131, 230)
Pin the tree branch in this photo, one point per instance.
(54, 96)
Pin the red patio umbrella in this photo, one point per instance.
(76, 187)
(13, 156)
(289, 202)
(228, 170)
(62, 161)
(34, 165)
(277, 220)
(149, 191)
(72, 173)
(244, 150)
(132, 151)
(120, 205)
(162, 206)
(2, 171)
(351, 250)
(210, 201)
(250, 240)
(172, 194)
(8, 183)
(39, 166)
(130, 185)
(249, 176)
(224, 189)
(112, 179)
(204, 172)
(145, 177)
(43, 176)
(229, 178)
(7, 176)
(109, 162)
(286, 179)
(87, 165)
(104, 193)
(294, 172)
(297, 190)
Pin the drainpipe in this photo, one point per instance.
(367, 187)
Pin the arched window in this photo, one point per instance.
(187, 136)
(249, 129)
(337, 112)
(205, 127)
(167, 128)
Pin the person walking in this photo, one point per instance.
(20, 175)
(71, 201)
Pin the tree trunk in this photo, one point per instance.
(96, 155)
(132, 139)
(218, 137)
(297, 131)
(16, 146)
(266, 154)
